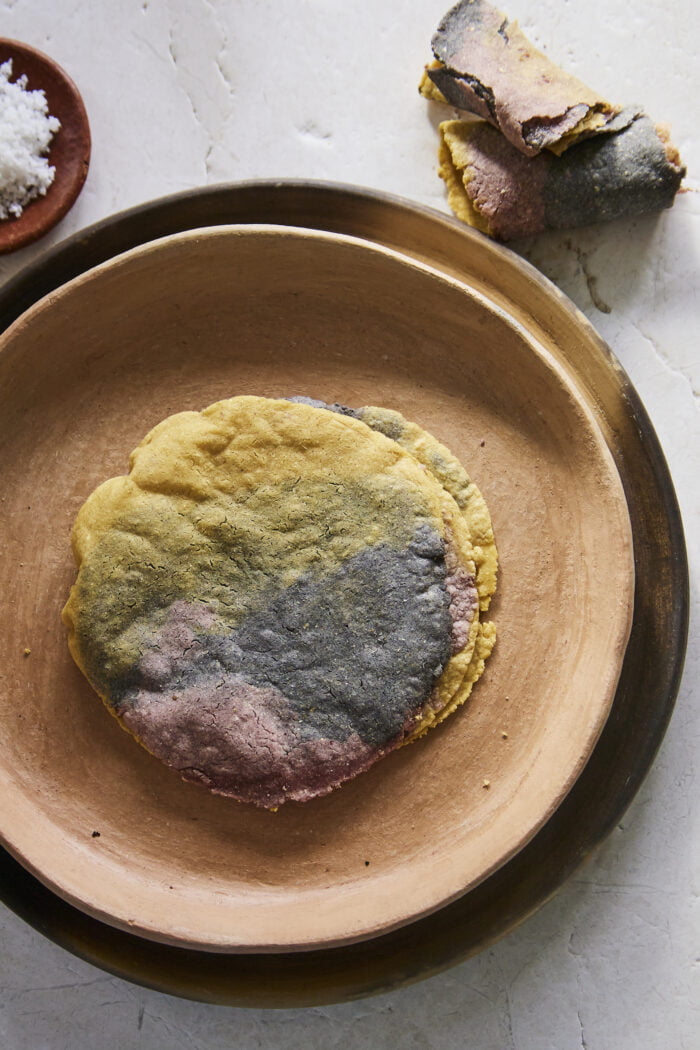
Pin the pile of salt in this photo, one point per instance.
(26, 130)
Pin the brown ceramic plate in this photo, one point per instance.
(69, 151)
(650, 670)
(196, 317)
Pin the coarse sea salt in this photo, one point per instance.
(26, 130)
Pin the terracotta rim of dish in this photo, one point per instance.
(69, 151)
(152, 916)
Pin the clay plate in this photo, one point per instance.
(69, 151)
(203, 315)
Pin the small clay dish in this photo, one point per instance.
(69, 152)
(204, 315)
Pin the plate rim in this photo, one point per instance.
(450, 935)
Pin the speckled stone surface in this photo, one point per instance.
(179, 95)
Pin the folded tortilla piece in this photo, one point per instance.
(493, 187)
(487, 66)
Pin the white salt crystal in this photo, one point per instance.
(26, 130)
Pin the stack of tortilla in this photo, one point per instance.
(281, 592)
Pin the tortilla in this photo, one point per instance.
(632, 170)
(274, 597)
(487, 66)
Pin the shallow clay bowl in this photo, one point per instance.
(204, 315)
(69, 151)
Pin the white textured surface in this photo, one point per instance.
(182, 93)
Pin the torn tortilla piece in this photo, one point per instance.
(485, 65)
(492, 186)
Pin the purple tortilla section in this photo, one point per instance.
(239, 739)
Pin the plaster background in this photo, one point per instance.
(183, 93)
